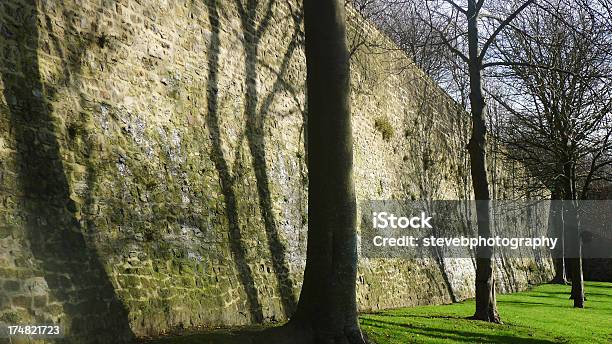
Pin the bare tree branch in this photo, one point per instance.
(501, 26)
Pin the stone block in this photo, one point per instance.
(12, 286)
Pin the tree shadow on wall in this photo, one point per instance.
(245, 274)
(75, 276)
(255, 136)
(426, 144)
(255, 126)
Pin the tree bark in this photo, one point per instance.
(573, 235)
(557, 229)
(327, 309)
(575, 260)
(486, 306)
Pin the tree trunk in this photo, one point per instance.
(327, 309)
(574, 240)
(557, 229)
(486, 307)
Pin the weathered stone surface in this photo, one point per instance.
(153, 175)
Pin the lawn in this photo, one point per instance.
(542, 315)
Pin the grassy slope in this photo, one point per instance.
(543, 315)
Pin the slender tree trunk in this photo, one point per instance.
(575, 260)
(486, 307)
(557, 229)
(573, 236)
(327, 310)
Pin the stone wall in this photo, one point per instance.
(152, 166)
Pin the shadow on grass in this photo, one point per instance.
(457, 335)
(525, 303)
(561, 296)
(596, 294)
(382, 314)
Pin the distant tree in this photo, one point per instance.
(496, 56)
(462, 36)
(444, 38)
(555, 62)
(401, 21)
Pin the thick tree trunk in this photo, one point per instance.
(486, 307)
(327, 310)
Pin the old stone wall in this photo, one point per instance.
(152, 166)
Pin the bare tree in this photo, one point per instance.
(556, 65)
(464, 31)
(562, 58)
(463, 37)
(401, 21)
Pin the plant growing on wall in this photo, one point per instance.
(383, 125)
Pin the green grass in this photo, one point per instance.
(542, 315)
